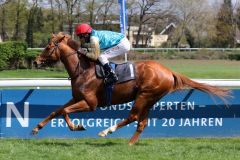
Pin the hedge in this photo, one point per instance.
(14, 55)
(11, 54)
(235, 56)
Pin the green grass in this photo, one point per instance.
(33, 73)
(221, 69)
(114, 149)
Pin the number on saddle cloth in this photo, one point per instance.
(125, 72)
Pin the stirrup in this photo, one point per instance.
(110, 79)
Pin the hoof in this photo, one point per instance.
(34, 131)
(102, 134)
(130, 143)
(79, 128)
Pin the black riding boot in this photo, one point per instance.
(111, 76)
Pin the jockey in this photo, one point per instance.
(110, 44)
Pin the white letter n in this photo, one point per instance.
(22, 120)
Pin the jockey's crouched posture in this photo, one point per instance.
(112, 43)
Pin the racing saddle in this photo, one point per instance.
(124, 71)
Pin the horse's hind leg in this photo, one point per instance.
(139, 112)
(142, 123)
(133, 116)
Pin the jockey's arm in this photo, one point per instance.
(94, 49)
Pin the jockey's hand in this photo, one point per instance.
(82, 51)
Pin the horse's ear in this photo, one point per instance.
(53, 35)
(61, 38)
(60, 34)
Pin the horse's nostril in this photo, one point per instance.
(35, 63)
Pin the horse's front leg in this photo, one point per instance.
(70, 107)
(81, 106)
(51, 116)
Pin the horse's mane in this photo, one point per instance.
(75, 45)
(70, 42)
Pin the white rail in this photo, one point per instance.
(171, 49)
(35, 82)
(64, 82)
(220, 82)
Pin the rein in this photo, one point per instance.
(56, 46)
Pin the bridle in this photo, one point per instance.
(63, 58)
(56, 47)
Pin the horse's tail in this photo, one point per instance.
(181, 81)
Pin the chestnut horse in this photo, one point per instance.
(152, 82)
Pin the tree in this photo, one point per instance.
(90, 8)
(16, 34)
(60, 14)
(70, 6)
(146, 11)
(3, 20)
(238, 17)
(32, 22)
(106, 7)
(97, 10)
(237, 20)
(52, 16)
(192, 16)
(17, 14)
(189, 38)
(131, 8)
(225, 30)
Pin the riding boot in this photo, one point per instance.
(111, 76)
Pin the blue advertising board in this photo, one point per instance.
(186, 113)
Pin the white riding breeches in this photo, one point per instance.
(121, 48)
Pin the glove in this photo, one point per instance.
(82, 51)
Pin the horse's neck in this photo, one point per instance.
(76, 45)
(73, 44)
(85, 62)
(70, 60)
(74, 65)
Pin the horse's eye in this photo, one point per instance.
(47, 48)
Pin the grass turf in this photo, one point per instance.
(221, 69)
(101, 149)
(32, 73)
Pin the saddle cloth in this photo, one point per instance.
(124, 71)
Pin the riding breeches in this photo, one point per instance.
(121, 48)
